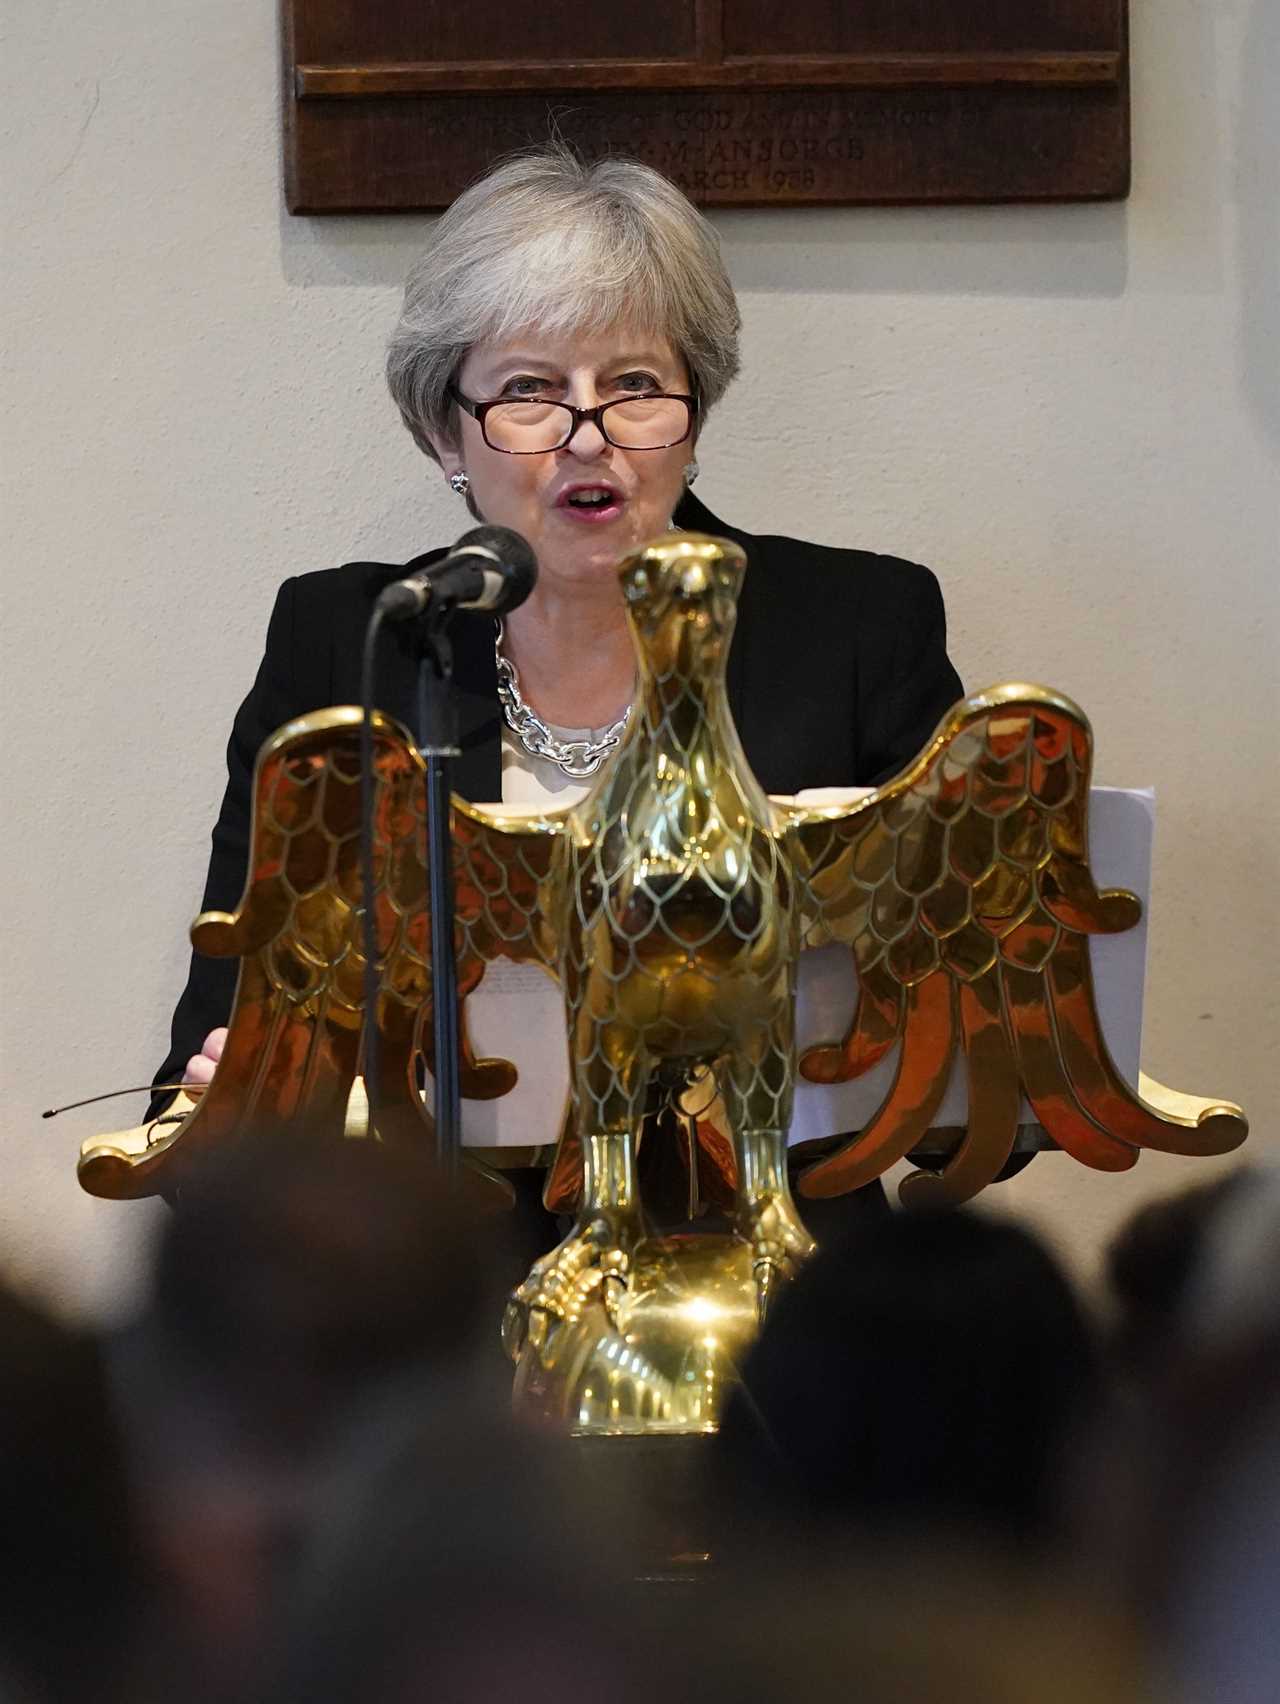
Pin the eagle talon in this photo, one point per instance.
(781, 1246)
(777, 1234)
(593, 1262)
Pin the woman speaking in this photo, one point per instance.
(563, 340)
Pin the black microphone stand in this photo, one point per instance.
(438, 746)
(489, 568)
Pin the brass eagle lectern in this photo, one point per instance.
(672, 904)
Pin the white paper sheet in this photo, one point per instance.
(517, 1012)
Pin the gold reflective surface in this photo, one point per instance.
(672, 904)
(661, 1360)
(963, 889)
(676, 924)
(293, 1042)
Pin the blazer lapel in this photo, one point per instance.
(477, 772)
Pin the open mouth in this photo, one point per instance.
(590, 502)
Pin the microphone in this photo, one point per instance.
(490, 568)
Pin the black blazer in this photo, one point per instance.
(837, 675)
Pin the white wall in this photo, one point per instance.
(1072, 413)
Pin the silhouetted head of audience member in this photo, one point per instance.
(294, 1281)
(298, 1270)
(1150, 1265)
(468, 1563)
(1199, 1481)
(71, 1577)
(925, 1372)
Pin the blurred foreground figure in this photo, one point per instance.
(1199, 1490)
(904, 1626)
(924, 1375)
(430, 1598)
(461, 1563)
(292, 1288)
(1152, 1264)
(70, 1581)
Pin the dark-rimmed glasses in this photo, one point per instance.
(530, 426)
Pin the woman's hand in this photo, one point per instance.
(201, 1066)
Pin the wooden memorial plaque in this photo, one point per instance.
(395, 105)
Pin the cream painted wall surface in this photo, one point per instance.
(1072, 413)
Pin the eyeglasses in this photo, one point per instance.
(532, 426)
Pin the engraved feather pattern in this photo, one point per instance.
(293, 1041)
(963, 888)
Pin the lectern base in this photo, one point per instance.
(663, 1366)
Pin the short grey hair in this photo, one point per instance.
(545, 241)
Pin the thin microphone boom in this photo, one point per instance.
(111, 1094)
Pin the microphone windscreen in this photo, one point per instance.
(514, 552)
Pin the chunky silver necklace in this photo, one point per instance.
(577, 758)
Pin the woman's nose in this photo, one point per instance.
(588, 441)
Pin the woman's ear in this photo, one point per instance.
(448, 452)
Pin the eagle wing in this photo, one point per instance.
(963, 888)
(293, 1042)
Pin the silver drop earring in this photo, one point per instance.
(691, 472)
(459, 483)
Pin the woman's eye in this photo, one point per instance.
(638, 382)
(525, 384)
